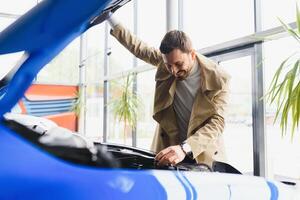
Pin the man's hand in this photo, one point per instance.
(171, 155)
(99, 19)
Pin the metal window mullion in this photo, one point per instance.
(9, 15)
(82, 83)
(123, 74)
(105, 83)
(181, 15)
(172, 14)
(232, 54)
(135, 64)
(258, 110)
(258, 37)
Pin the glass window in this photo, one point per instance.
(284, 9)
(146, 124)
(146, 32)
(5, 22)
(118, 131)
(94, 112)
(212, 22)
(17, 6)
(94, 89)
(64, 68)
(238, 131)
(95, 54)
(7, 61)
(120, 58)
(114, 129)
(283, 153)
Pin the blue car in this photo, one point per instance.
(40, 160)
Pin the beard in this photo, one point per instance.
(183, 74)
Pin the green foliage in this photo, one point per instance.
(125, 108)
(284, 89)
(78, 104)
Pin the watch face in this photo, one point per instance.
(186, 147)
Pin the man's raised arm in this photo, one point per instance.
(137, 47)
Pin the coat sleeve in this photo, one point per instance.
(206, 136)
(137, 47)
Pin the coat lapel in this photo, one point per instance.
(202, 108)
(210, 77)
(163, 111)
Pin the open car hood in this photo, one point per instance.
(42, 33)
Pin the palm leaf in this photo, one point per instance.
(286, 94)
(274, 87)
(290, 30)
(125, 107)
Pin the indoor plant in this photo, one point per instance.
(125, 107)
(284, 89)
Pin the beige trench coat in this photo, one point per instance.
(207, 118)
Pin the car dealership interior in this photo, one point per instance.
(73, 85)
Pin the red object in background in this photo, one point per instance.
(51, 92)
(67, 120)
(53, 102)
(22, 107)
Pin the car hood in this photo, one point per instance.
(42, 33)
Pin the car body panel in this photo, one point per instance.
(29, 172)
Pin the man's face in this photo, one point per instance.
(179, 64)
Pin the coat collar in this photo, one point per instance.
(210, 77)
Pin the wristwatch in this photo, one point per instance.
(186, 148)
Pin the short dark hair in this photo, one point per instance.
(175, 40)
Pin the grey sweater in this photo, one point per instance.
(185, 94)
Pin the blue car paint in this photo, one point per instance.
(42, 33)
(195, 197)
(274, 190)
(27, 172)
(185, 186)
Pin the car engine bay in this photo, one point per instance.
(74, 148)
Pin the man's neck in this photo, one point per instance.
(194, 67)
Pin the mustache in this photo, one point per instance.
(181, 73)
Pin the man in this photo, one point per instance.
(190, 98)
